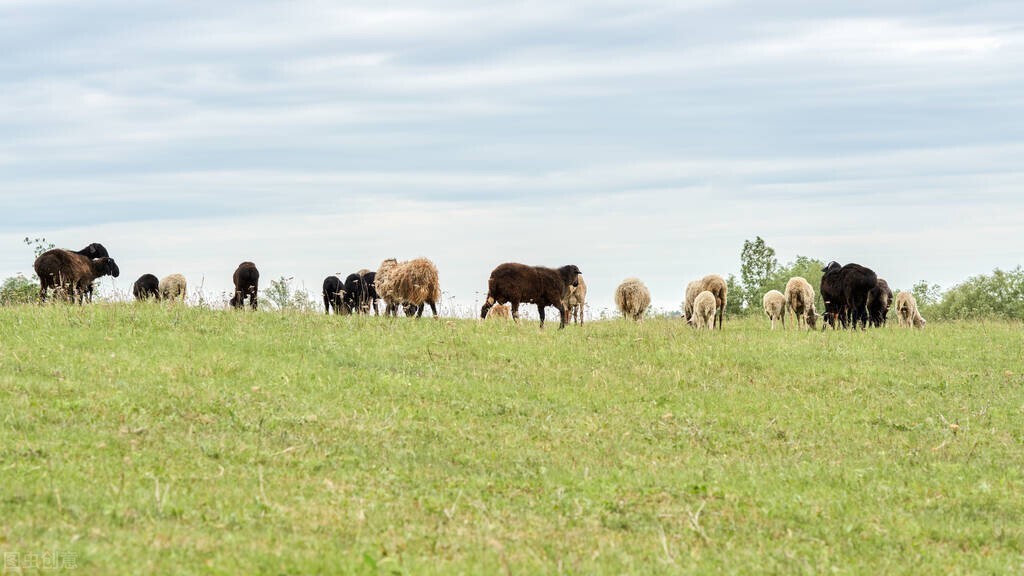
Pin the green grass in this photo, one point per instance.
(146, 439)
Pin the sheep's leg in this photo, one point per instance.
(563, 315)
(515, 310)
(419, 310)
(433, 308)
(540, 312)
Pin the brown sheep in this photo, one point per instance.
(247, 285)
(712, 283)
(774, 303)
(576, 300)
(632, 298)
(500, 312)
(516, 283)
(71, 272)
(172, 287)
(411, 285)
(704, 310)
(800, 299)
(907, 312)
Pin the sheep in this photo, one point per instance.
(173, 287)
(411, 284)
(370, 295)
(361, 292)
(907, 312)
(71, 272)
(632, 298)
(774, 303)
(576, 300)
(704, 310)
(92, 251)
(500, 312)
(334, 294)
(147, 286)
(516, 283)
(800, 299)
(712, 283)
(845, 291)
(879, 300)
(247, 280)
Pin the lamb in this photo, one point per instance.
(71, 272)
(907, 312)
(632, 298)
(92, 251)
(800, 299)
(705, 306)
(500, 312)
(411, 284)
(370, 295)
(712, 283)
(879, 300)
(334, 294)
(247, 281)
(173, 287)
(774, 303)
(147, 286)
(361, 292)
(516, 283)
(576, 300)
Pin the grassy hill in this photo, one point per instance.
(146, 438)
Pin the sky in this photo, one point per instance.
(640, 138)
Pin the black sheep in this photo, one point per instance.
(515, 283)
(71, 272)
(247, 281)
(333, 295)
(879, 300)
(845, 292)
(147, 286)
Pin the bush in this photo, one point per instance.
(999, 295)
(18, 290)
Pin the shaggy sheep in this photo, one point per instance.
(879, 300)
(907, 312)
(845, 291)
(692, 290)
(408, 284)
(247, 282)
(774, 303)
(92, 251)
(71, 272)
(576, 300)
(632, 298)
(704, 310)
(500, 312)
(334, 294)
(516, 283)
(147, 286)
(173, 287)
(800, 299)
(712, 283)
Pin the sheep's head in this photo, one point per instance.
(110, 267)
(410, 309)
(571, 274)
(94, 250)
(812, 319)
(831, 267)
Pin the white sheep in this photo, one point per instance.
(800, 299)
(632, 298)
(500, 312)
(576, 300)
(704, 307)
(774, 303)
(172, 287)
(712, 283)
(907, 312)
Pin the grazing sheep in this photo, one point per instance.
(576, 300)
(370, 295)
(411, 285)
(173, 287)
(845, 292)
(907, 312)
(800, 299)
(632, 298)
(516, 283)
(500, 312)
(704, 310)
(71, 272)
(247, 281)
(712, 283)
(147, 286)
(879, 300)
(361, 292)
(334, 294)
(774, 303)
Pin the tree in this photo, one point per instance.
(733, 297)
(926, 295)
(999, 295)
(757, 266)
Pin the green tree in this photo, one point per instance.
(999, 295)
(757, 266)
(18, 290)
(926, 295)
(734, 297)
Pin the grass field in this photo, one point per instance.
(143, 439)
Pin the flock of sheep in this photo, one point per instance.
(852, 293)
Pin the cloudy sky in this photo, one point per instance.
(640, 138)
